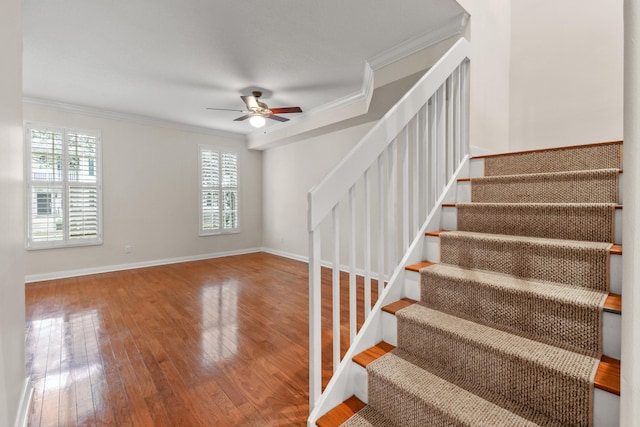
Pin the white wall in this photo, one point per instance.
(289, 173)
(490, 36)
(566, 72)
(150, 196)
(12, 371)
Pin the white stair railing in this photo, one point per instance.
(383, 191)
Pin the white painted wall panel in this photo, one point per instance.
(566, 73)
(12, 372)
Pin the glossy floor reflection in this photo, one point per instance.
(220, 342)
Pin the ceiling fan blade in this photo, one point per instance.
(245, 117)
(284, 110)
(225, 109)
(277, 118)
(251, 101)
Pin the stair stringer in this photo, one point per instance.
(348, 379)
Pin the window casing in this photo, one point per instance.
(219, 191)
(64, 189)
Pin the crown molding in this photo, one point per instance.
(415, 44)
(357, 103)
(126, 117)
(344, 108)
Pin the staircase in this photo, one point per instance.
(515, 317)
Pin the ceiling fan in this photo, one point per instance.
(259, 111)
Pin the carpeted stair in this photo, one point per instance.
(509, 327)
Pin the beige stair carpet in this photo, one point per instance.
(552, 381)
(597, 186)
(569, 262)
(603, 156)
(564, 316)
(409, 391)
(572, 221)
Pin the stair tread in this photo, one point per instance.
(419, 266)
(372, 353)
(607, 376)
(426, 388)
(394, 307)
(615, 249)
(541, 174)
(341, 413)
(486, 336)
(613, 302)
(541, 289)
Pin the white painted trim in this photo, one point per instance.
(22, 417)
(130, 266)
(284, 254)
(451, 28)
(353, 105)
(127, 117)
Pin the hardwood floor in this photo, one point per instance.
(221, 342)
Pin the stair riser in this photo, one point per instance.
(450, 218)
(523, 385)
(532, 316)
(606, 409)
(463, 191)
(599, 156)
(611, 335)
(431, 252)
(584, 265)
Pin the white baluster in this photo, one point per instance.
(367, 243)
(392, 206)
(336, 287)
(315, 316)
(405, 189)
(353, 309)
(381, 218)
(416, 173)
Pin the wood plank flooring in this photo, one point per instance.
(219, 342)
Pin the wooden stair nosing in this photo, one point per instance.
(542, 150)
(615, 249)
(398, 305)
(341, 413)
(372, 353)
(419, 266)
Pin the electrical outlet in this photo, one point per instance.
(127, 249)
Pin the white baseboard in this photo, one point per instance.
(284, 254)
(22, 416)
(130, 266)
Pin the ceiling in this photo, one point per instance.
(169, 60)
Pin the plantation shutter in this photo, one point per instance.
(64, 192)
(218, 191)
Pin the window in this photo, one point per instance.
(63, 187)
(218, 191)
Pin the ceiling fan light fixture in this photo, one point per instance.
(257, 121)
